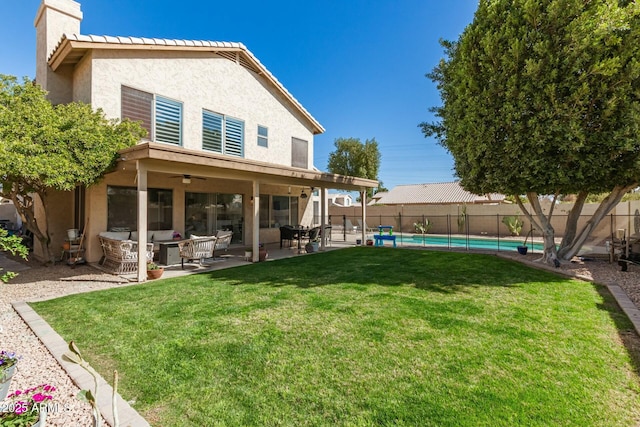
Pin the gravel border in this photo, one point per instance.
(37, 364)
(37, 283)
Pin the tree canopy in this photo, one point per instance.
(543, 97)
(354, 158)
(45, 147)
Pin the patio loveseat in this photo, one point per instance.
(121, 256)
(153, 236)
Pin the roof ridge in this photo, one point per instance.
(131, 40)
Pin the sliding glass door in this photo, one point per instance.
(207, 212)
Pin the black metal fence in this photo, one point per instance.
(491, 232)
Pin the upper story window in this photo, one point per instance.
(136, 106)
(168, 121)
(263, 136)
(299, 153)
(161, 117)
(222, 134)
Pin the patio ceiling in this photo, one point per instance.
(165, 158)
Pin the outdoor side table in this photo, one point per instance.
(169, 253)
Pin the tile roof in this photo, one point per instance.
(436, 193)
(224, 49)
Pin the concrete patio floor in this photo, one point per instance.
(235, 256)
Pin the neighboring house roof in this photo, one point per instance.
(430, 194)
(340, 199)
(379, 195)
(73, 47)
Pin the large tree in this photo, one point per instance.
(541, 97)
(354, 158)
(45, 147)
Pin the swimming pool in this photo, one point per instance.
(462, 242)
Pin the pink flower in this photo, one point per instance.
(38, 397)
(20, 408)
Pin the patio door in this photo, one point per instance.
(207, 212)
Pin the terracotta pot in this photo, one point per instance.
(262, 255)
(155, 274)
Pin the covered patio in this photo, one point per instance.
(147, 162)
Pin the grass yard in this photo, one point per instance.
(362, 337)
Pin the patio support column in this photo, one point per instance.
(363, 199)
(323, 213)
(141, 175)
(256, 221)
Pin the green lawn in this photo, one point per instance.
(362, 337)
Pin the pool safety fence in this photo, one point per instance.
(472, 232)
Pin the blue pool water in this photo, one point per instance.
(461, 242)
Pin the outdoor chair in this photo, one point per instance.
(287, 233)
(327, 232)
(365, 227)
(349, 227)
(223, 240)
(197, 248)
(121, 256)
(314, 234)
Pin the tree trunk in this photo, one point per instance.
(26, 209)
(573, 240)
(550, 254)
(571, 226)
(571, 248)
(542, 223)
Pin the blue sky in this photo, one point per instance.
(357, 66)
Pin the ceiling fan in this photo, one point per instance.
(186, 179)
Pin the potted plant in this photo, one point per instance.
(8, 366)
(27, 407)
(312, 245)
(176, 236)
(262, 253)
(154, 271)
(522, 249)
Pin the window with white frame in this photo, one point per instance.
(161, 117)
(263, 136)
(222, 134)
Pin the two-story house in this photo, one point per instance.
(228, 147)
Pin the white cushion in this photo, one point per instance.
(134, 236)
(223, 233)
(116, 235)
(161, 235)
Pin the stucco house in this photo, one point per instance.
(340, 199)
(227, 147)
